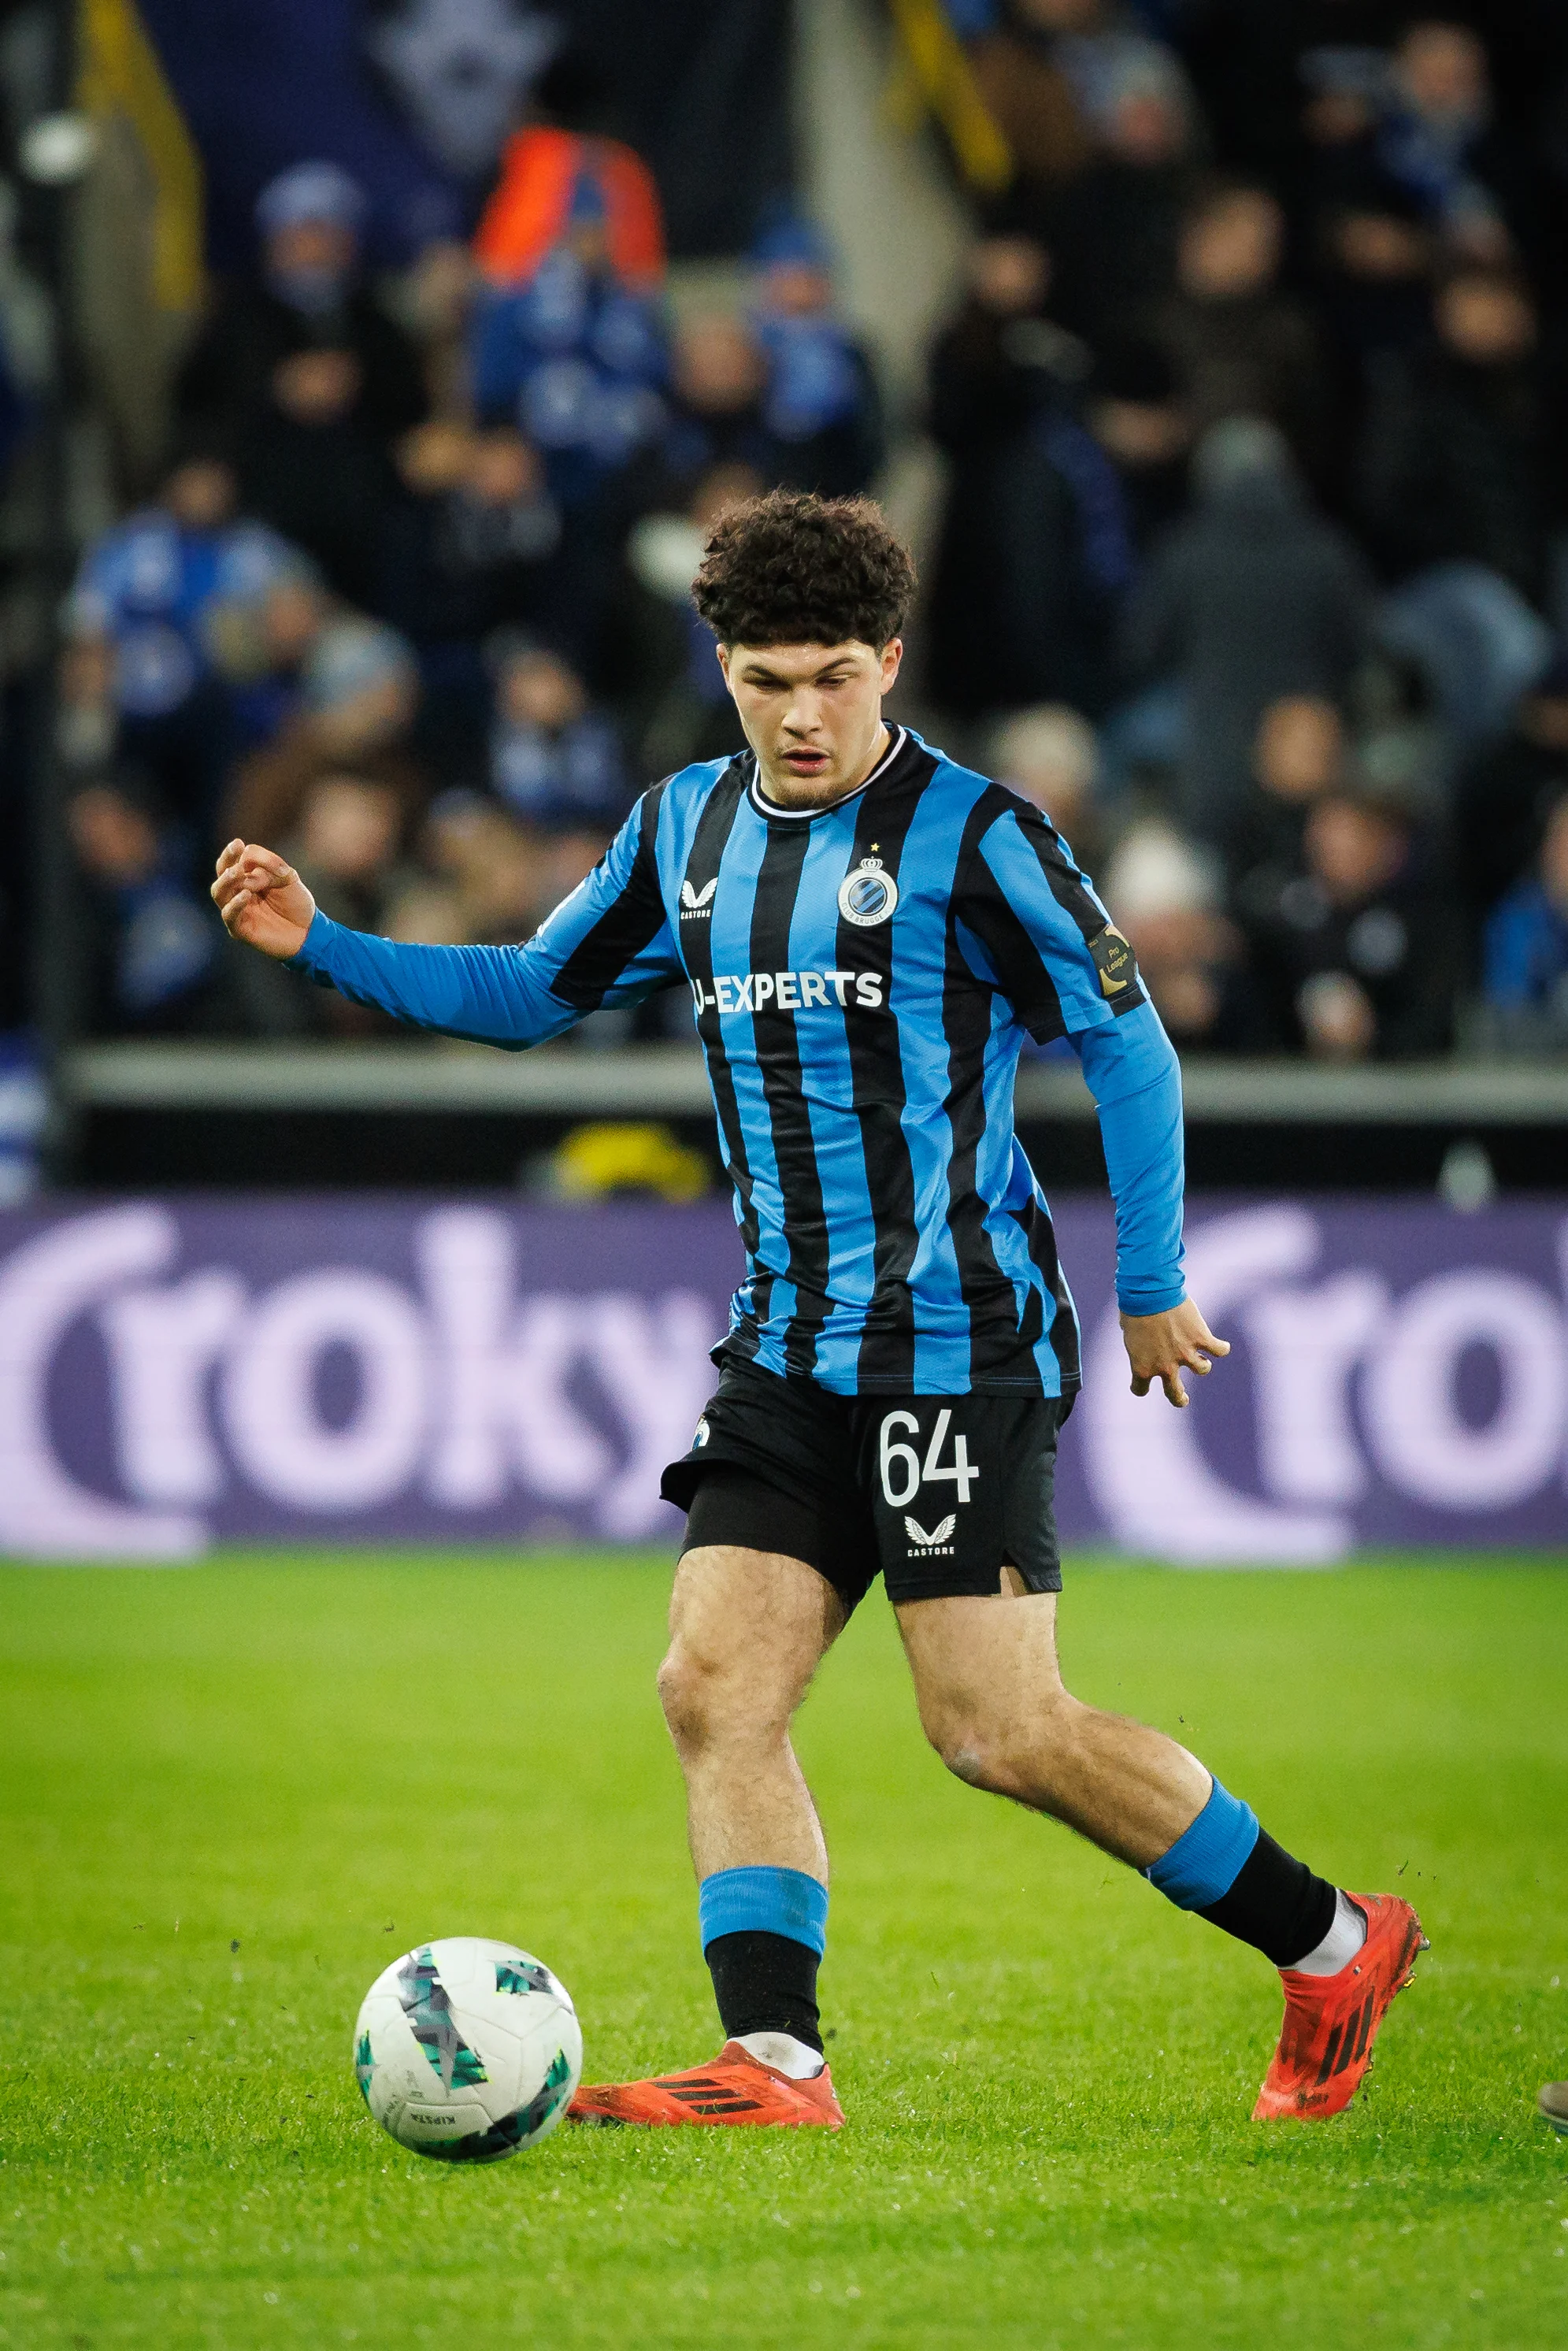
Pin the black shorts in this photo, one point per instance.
(936, 1493)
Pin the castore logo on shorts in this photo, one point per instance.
(936, 1541)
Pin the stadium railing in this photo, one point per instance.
(173, 1114)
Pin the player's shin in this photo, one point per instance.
(1232, 1873)
(763, 1934)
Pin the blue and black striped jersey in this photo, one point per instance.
(862, 978)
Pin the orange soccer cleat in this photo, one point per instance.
(736, 2088)
(1331, 2022)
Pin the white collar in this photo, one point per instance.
(898, 736)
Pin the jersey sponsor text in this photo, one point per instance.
(787, 991)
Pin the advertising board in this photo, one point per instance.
(334, 1369)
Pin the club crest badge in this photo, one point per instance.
(868, 895)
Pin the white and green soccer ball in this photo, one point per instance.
(468, 2050)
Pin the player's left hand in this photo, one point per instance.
(1161, 1346)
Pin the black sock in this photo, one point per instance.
(1276, 1905)
(765, 1984)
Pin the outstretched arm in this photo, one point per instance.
(606, 944)
(1048, 941)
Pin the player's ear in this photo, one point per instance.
(723, 652)
(892, 660)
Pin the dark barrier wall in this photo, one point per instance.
(176, 1376)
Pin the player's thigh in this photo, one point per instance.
(985, 1668)
(747, 1631)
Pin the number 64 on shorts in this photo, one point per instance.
(936, 1492)
(897, 1459)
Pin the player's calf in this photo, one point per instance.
(1001, 1721)
(747, 1630)
(993, 1704)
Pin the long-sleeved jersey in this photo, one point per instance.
(863, 977)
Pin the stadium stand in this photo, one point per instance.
(1249, 557)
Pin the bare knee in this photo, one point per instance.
(687, 1689)
(970, 1756)
(708, 1703)
(982, 1755)
(1003, 1754)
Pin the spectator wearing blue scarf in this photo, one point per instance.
(556, 763)
(1435, 116)
(822, 400)
(1429, 155)
(574, 359)
(307, 295)
(152, 953)
(150, 595)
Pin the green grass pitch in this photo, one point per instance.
(231, 1793)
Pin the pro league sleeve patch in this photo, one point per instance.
(1115, 963)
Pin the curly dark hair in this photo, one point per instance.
(792, 569)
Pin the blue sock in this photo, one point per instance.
(763, 1932)
(766, 1902)
(1207, 1858)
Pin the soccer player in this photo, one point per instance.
(868, 931)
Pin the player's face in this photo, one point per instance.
(812, 713)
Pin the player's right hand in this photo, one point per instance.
(262, 900)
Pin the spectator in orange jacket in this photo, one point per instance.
(534, 208)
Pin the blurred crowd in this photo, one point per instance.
(412, 600)
(1251, 567)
